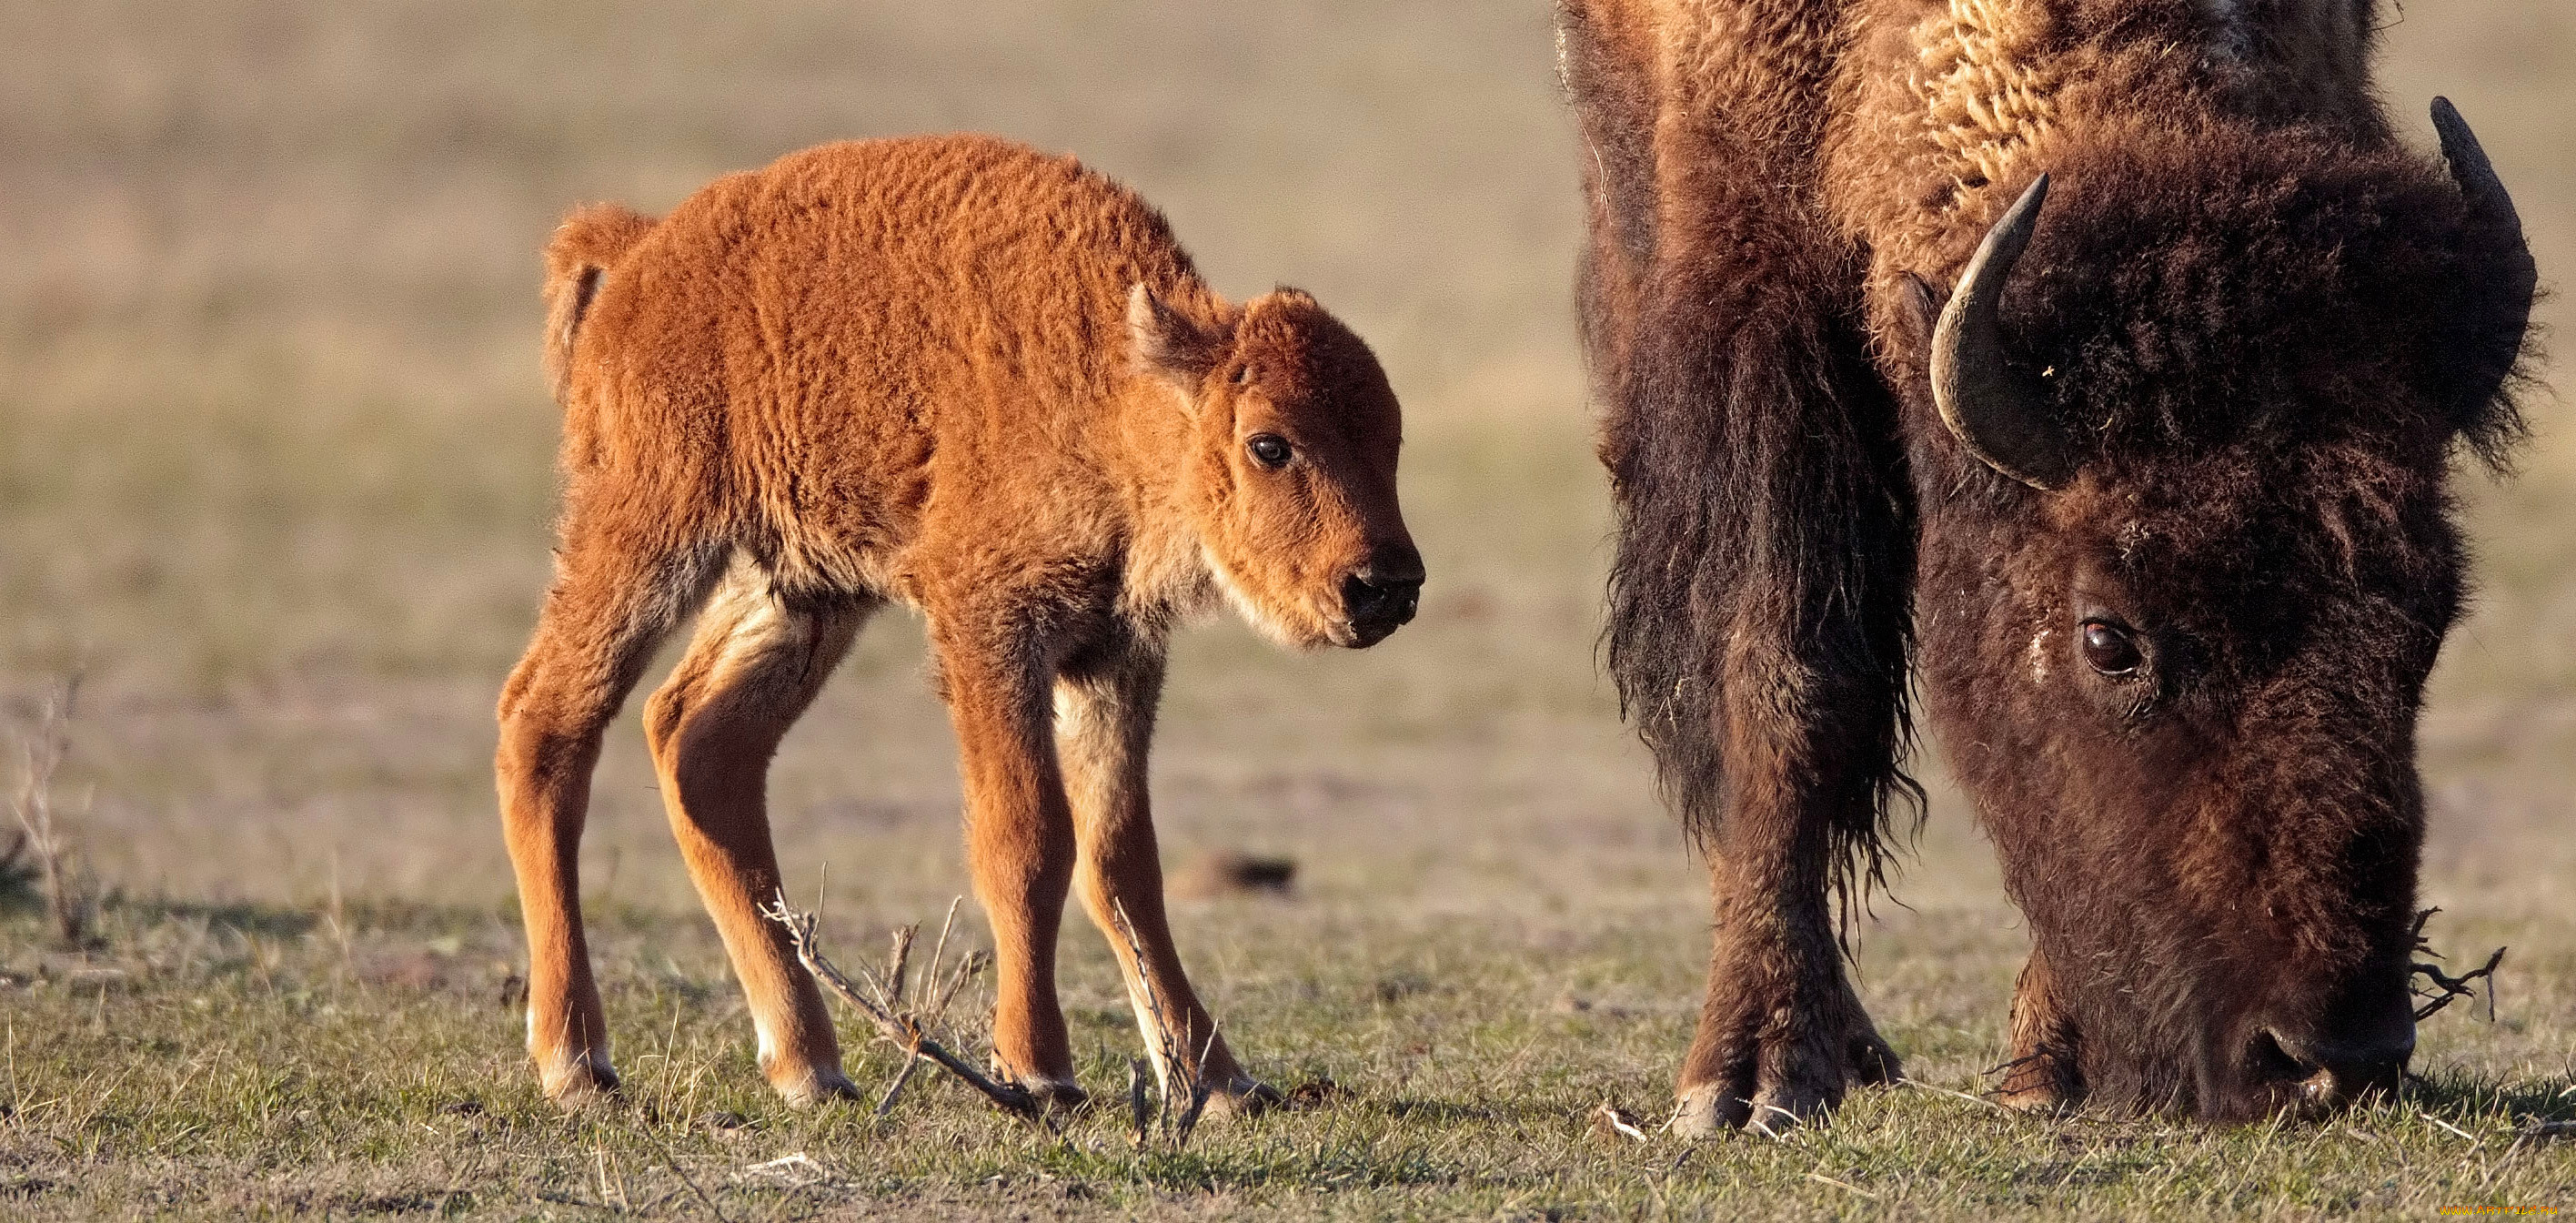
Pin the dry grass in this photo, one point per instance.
(274, 460)
(44, 858)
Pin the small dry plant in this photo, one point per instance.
(1185, 1091)
(2445, 987)
(41, 846)
(904, 1019)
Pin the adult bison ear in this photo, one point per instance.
(2498, 347)
(1996, 409)
(1169, 344)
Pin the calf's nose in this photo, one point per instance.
(1398, 564)
(1381, 595)
(1377, 601)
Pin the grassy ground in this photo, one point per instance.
(274, 474)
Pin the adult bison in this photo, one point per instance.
(2105, 360)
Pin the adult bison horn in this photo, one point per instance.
(1998, 412)
(2492, 208)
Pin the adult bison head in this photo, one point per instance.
(2182, 458)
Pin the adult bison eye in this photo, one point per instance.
(2110, 649)
(1269, 449)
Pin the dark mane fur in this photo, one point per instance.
(2218, 285)
(1719, 556)
(1763, 556)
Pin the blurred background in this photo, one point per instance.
(276, 457)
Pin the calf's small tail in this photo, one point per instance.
(590, 242)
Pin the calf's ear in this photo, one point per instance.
(1169, 344)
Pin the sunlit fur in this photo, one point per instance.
(2264, 323)
(955, 374)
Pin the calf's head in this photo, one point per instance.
(1289, 470)
(2187, 560)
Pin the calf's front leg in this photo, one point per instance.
(1104, 727)
(1019, 846)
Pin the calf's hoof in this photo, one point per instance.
(1243, 1096)
(577, 1080)
(807, 1086)
(1055, 1097)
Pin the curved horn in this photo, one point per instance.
(2492, 208)
(2000, 415)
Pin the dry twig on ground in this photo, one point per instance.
(923, 1006)
(1920, 1085)
(1181, 1079)
(900, 1028)
(1140, 1106)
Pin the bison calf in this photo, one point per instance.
(961, 375)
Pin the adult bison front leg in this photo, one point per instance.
(1781, 1033)
(1757, 620)
(1757, 635)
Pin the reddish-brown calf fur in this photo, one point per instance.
(960, 375)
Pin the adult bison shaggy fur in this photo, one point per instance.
(960, 375)
(2099, 365)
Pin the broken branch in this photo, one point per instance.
(898, 1030)
(1180, 1074)
(939, 955)
(898, 960)
(2446, 987)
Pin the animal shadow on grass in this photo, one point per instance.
(1444, 1112)
(21, 880)
(2466, 1097)
(262, 921)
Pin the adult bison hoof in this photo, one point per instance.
(1779, 1086)
(1871, 1063)
(2038, 1081)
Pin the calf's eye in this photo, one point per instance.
(1268, 449)
(2110, 649)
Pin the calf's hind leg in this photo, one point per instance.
(614, 598)
(1104, 725)
(755, 665)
